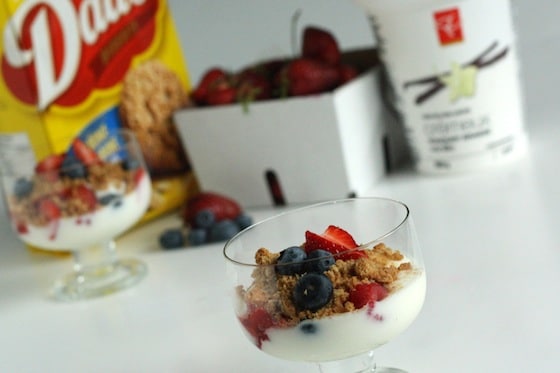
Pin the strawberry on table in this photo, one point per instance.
(334, 240)
(221, 206)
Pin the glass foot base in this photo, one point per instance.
(102, 280)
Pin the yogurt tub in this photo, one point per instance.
(81, 232)
(454, 73)
(346, 334)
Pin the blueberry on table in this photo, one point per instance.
(204, 219)
(23, 187)
(312, 292)
(243, 221)
(172, 239)
(197, 236)
(322, 261)
(290, 261)
(222, 231)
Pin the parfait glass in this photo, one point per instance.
(80, 201)
(335, 308)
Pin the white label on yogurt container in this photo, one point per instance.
(455, 76)
(16, 154)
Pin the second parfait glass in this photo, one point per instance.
(80, 201)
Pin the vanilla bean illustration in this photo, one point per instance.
(434, 78)
(436, 82)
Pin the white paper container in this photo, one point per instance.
(319, 147)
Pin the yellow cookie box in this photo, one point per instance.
(62, 71)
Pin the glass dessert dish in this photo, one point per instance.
(79, 201)
(328, 283)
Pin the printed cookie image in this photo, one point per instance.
(151, 93)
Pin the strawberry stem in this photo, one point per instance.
(293, 31)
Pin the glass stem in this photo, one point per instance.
(363, 363)
(95, 260)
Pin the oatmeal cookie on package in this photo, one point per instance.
(151, 93)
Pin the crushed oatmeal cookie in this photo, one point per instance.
(63, 192)
(274, 292)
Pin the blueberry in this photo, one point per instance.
(204, 219)
(115, 199)
(243, 221)
(197, 236)
(73, 168)
(172, 239)
(222, 231)
(312, 292)
(130, 164)
(308, 328)
(322, 261)
(23, 187)
(290, 261)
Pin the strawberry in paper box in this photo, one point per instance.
(83, 69)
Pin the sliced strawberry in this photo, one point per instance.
(48, 166)
(49, 209)
(84, 153)
(321, 45)
(138, 175)
(86, 195)
(256, 323)
(368, 293)
(334, 240)
(223, 207)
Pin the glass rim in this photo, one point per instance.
(311, 206)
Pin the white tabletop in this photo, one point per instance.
(492, 251)
(491, 248)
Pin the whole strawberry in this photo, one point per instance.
(321, 45)
(209, 81)
(222, 207)
(304, 76)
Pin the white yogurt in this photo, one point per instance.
(80, 232)
(344, 335)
